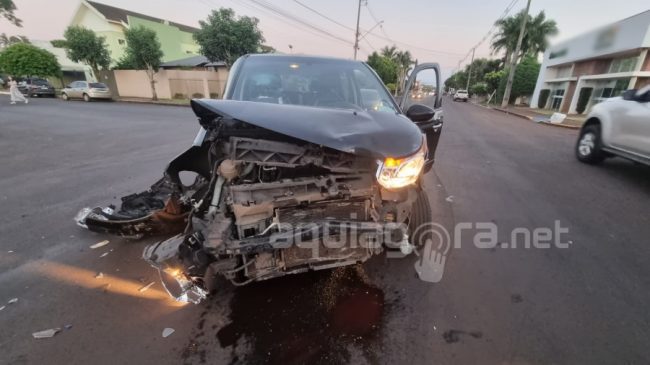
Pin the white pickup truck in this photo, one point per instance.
(619, 126)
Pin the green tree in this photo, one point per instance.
(22, 59)
(83, 45)
(143, 52)
(7, 8)
(538, 30)
(480, 88)
(225, 37)
(385, 67)
(492, 80)
(525, 79)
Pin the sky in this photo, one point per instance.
(440, 31)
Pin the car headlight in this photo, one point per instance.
(395, 173)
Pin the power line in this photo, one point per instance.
(294, 18)
(323, 15)
(282, 16)
(505, 13)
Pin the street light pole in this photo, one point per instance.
(356, 34)
(513, 59)
(469, 76)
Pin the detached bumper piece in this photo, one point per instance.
(144, 214)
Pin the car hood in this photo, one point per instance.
(375, 134)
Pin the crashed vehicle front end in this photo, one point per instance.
(278, 189)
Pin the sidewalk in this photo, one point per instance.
(572, 121)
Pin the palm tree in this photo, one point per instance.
(7, 40)
(389, 52)
(535, 40)
(538, 33)
(404, 61)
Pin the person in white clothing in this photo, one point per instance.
(14, 93)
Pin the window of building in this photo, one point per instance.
(623, 64)
(556, 100)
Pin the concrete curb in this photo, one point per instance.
(520, 115)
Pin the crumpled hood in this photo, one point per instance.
(375, 134)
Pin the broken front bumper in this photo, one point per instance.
(288, 250)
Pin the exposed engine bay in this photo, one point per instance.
(261, 205)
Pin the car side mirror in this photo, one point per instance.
(629, 94)
(420, 113)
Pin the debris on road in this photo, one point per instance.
(99, 244)
(67, 326)
(12, 301)
(146, 287)
(167, 332)
(10, 251)
(3, 307)
(450, 198)
(46, 333)
(104, 254)
(99, 275)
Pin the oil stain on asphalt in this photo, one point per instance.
(308, 318)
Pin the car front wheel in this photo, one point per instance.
(420, 217)
(86, 98)
(588, 147)
(64, 96)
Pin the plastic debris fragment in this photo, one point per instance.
(146, 287)
(167, 332)
(46, 333)
(104, 254)
(99, 244)
(450, 198)
(99, 275)
(12, 301)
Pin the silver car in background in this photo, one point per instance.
(86, 90)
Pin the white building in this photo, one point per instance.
(600, 64)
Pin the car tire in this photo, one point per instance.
(86, 98)
(420, 216)
(65, 97)
(589, 146)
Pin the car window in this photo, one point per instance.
(311, 82)
(98, 85)
(40, 82)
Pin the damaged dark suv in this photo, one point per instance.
(308, 163)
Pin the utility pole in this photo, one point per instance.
(356, 34)
(513, 59)
(469, 76)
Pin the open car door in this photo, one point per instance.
(421, 101)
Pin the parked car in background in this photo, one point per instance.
(33, 86)
(618, 126)
(86, 90)
(461, 95)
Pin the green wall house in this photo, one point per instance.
(110, 22)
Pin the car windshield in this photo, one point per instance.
(39, 82)
(325, 83)
(462, 92)
(97, 85)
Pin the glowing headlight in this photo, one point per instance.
(398, 173)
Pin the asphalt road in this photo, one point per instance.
(587, 303)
